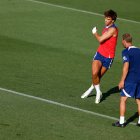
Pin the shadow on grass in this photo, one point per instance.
(132, 118)
(112, 91)
(109, 92)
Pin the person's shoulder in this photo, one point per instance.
(125, 51)
(113, 26)
(134, 48)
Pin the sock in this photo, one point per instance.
(139, 120)
(97, 87)
(121, 119)
(92, 87)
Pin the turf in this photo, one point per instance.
(99, 6)
(46, 51)
(24, 118)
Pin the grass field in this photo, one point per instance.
(46, 48)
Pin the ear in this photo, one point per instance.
(125, 43)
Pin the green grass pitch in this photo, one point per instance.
(46, 49)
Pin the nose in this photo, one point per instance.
(105, 20)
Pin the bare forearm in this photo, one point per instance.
(124, 74)
(104, 36)
(98, 37)
(125, 71)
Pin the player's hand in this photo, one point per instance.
(121, 85)
(94, 30)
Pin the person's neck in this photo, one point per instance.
(129, 45)
(109, 25)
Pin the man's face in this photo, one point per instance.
(108, 21)
(123, 43)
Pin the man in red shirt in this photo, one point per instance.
(104, 56)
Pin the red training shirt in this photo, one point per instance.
(108, 47)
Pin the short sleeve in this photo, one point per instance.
(125, 56)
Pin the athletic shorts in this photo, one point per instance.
(131, 90)
(106, 62)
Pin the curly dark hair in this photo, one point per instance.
(111, 13)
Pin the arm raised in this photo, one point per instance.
(106, 35)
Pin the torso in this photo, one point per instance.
(108, 47)
(132, 55)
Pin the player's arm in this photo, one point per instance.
(105, 36)
(124, 74)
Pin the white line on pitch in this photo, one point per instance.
(78, 10)
(60, 104)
